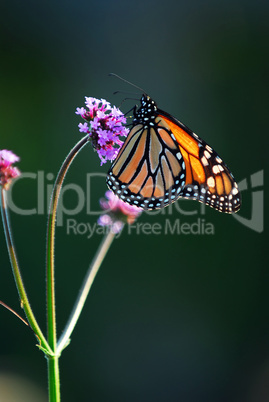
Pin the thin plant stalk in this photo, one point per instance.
(54, 378)
(53, 361)
(43, 344)
(84, 291)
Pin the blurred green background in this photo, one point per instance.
(170, 317)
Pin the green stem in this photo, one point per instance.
(84, 291)
(54, 379)
(51, 312)
(18, 278)
(53, 368)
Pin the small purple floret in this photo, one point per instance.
(104, 124)
(117, 212)
(7, 171)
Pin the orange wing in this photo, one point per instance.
(162, 160)
(208, 179)
(149, 170)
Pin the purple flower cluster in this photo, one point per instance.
(7, 171)
(117, 212)
(104, 124)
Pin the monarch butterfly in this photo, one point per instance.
(162, 160)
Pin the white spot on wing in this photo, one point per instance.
(204, 161)
(234, 191)
(215, 169)
(211, 182)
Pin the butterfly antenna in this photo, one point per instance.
(126, 93)
(128, 82)
(124, 100)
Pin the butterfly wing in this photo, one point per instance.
(208, 179)
(162, 160)
(149, 171)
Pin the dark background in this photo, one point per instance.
(170, 317)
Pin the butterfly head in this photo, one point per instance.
(147, 111)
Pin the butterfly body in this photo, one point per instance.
(163, 160)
